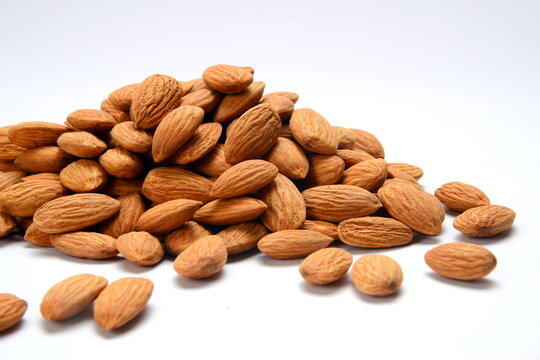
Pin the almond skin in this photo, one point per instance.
(288, 94)
(199, 145)
(8, 150)
(206, 99)
(214, 163)
(121, 163)
(235, 105)
(74, 212)
(154, 98)
(175, 130)
(324, 227)
(374, 232)
(121, 187)
(227, 79)
(369, 174)
(289, 158)
(346, 137)
(313, 132)
(339, 202)
(140, 248)
(242, 237)
(395, 173)
(83, 176)
(184, 236)
(412, 170)
(244, 178)
(85, 245)
(353, 157)
(123, 97)
(71, 296)
(377, 275)
(121, 302)
(460, 197)
(369, 143)
(12, 310)
(282, 105)
(167, 216)
(293, 244)
(485, 221)
(118, 115)
(169, 183)
(127, 136)
(36, 237)
(415, 208)
(81, 144)
(326, 266)
(7, 224)
(461, 261)
(202, 259)
(35, 133)
(91, 120)
(230, 211)
(49, 159)
(125, 220)
(23, 199)
(324, 170)
(252, 134)
(286, 209)
(42, 177)
(6, 165)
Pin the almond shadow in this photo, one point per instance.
(327, 289)
(189, 283)
(479, 284)
(54, 326)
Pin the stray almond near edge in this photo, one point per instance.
(485, 221)
(12, 310)
(461, 261)
(326, 265)
(460, 197)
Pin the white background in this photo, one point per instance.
(450, 86)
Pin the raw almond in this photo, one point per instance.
(199, 145)
(374, 232)
(461, 261)
(352, 157)
(377, 275)
(7, 224)
(36, 237)
(485, 221)
(339, 202)
(167, 216)
(369, 174)
(293, 244)
(81, 144)
(123, 97)
(169, 183)
(91, 120)
(140, 248)
(289, 158)
(346, 137)
(324, 170)
(23, 199)
(118, 115)
(230, 211)
(125, 220)
(121, 302)
(460, 197)
(282, 105)
(71, 296)
(9, 178)
(43, 159)
(206, 99)
(313, 132)
(369, 143)
(324, 227)
(242, 237)
(227, 79)
(125, 135)
(85, 245)
(121, 163)
(184, 236)
(214, 163)
(35, 134)
(12, 310)
(325, 266)
(396, 173)
(412, 170)
(42, 177)
(235, 105)
(83, 176)
(202, 259)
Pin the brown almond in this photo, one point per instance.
(91, 120)
(12, 310)
(313, 132)
(377, 275)
(288, 94)
(324, 227)
(202, 259)
(184, 236)
(227, 79)
(461, 261)
(167, 216)
(369, 174)
(83, 176)
(353, 157)
(289, 158)
(388, 181)
(169, 183)
(82, 144)
(230, 211)
(187, 86)
(196, 85)
(412, 170)
(140, 248)
(42, 177)
(460, 197)
(8, 150)
(242, 237)
(125, 220)
(23, 199)
(244, 178)
(7, 224)
(118, 115)
(369, 143)
(374, 232)
(36, 237)
(35, 133)
(121, 163)
(43, 159)
(282, 105)
(326, 266)
(85, 245)
(324, 170)
(346, 137)
(123, 97)
(235, 105)
(125, 135)
(293, 244)
(199, 145)
(485, 221)
(396, 173)
(206, 99)
(214, 163)
(9, 178)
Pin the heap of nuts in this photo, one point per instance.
(210, 168)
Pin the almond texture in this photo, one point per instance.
(485, 221)
(292, 244)
(460, 197)
(140, 248)
(377, 275)
(202, 259)
(374, 232)
(325, 266)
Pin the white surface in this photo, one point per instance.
(451, 86)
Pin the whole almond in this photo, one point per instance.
(169, 183)
(353, 157)
(326, 265)
(202, 259)
(71, 296)
(374, 232)
(140, 248)
(368, 142)
(214, 163)
(121, 187)
(293, 244)
(230, 211)
(23, 199)
(485, 221)
(125, 220)
(244, 178)
(74, 212)
(91, 120)
(81, 144)
(415, 208)
(9, 178)
(461, 261)
(286, 209)
(8, 150)
(460, 197)
(12, 310)
(85, 245)
(242, 237)
(125, 135)
(412, 170)
(369, 174)
(7, 224)
(35, 134)
(83, 176)
(122, 301)
(43, 159)
(252, 135)
(346, 137)
(184, 236)
(123, 97)
(167, 216)
(282, 105)
(227, 79)
(154, 98)
(313, 132)
(235, 105)
(324, 227)
(288, 94)
(199, 145)
(36, 237)
(339, 202)
(324, 170)
(377, 275)
(121, 163)
(206, 99)
(118, 115)
(289, 158)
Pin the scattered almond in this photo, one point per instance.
(485, 221)
(202, 259)
(140, 248)
(460, 197)
(325, 266)
(377, 275)
(12, 310)
(461, 261)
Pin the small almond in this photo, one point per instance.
(23, 199)
(460, 197)
(374, 232)
(369, 143)
(326, 266)
(49, 159)
(353, 157)
(206, 99)
(230, 211)
(125, 220)
(377, 275)
(288, 94)
(242, 237)
(227, 79)
(7, 224)
(214, 163)
(324, 170)
(293, 244)
(35, 134)
(184, 236)
(202, 259)
(167, 216)
(83, 176)
(127, 136)
(94, 121)
(412, 170)
(485, 221)
(85, 245)
(199, 145)
(121, 187)
(235, 105)
(123, 97)
(140, 248)
(369, 174)
(169, 183)
(324, 227)
(9, 178)
(12, 310)
(289, 158)
(82, 144)
(36, 237)
(313, 132)
(282, 105)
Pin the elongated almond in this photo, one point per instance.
(9, 178)
(369, 174)
(377, 275)
(206, 99)
(460, 197)
(121, 163)
(236, 104)
(242, 237)
(292, 244)
(289, 158)
(7, 224)
(326, 265)
(230, 211)
(368, 142)
(71, 296)
(313, 132)
(412, 170)
(244, 178)
(136, 140)
(324, 170)
(461, 261)
(214, 163)
(121, 302)
(42, 177)
(36, 237)
(23, 199)
(83, 176)
(81, 144)
(12, 310)
(85, 245)
(352, 157)
(286, 209)
(167, 216)
(122, 97)
(125, 220)
(485, 221)
(199, 145)
(202, 259)
(91, 120)
(374, 232)
(140, 248)
(169, 183)
(43, 159)
(324, 227)
(227, 79)
(35, 133)
(184, 236)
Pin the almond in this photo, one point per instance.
(339, 202)
(83, 176)
(118, 115)
(214, 163)
(369, 143)
(169, 183)
(7, 224)
(313, 132)
(140, 248)
(252, 135)
(242, 237)
(125, 220)
(125, 135)
(8, 150)
(71, 296)
(184, 236)
(288, 94)
(374, 232)
(369, 174)
(286, 209)
(227, 79)
(121, 163)
(36, 237)
(85, 245)
(460, 197)
(325, 266)
(289, 158)
(12, 310)
(324, 227)
(75, 212)
(377, 275)
(43, 159)
(123, 97)
(35, 134)
(206, 99)
(199, 145)
(244, 178)
(167, 216)
(121, 187)
(415, 208)
(230, 211)
(23, 199)
(352, 157)
(81, 144)
(202, 259)
(154, 98)
(396, 173)
(10, 178)
(293, 244)
(412, 170)
(346, 137)
(402, 182)
(121, 302)
(461, 261)
(90, 120)
(236, 104)
(196, 85)
(485, 221)
(324, 170)
(286, 132)
(282, 105)
(43, 177)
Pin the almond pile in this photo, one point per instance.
(209, 168)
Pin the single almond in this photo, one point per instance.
(12, 310)
(397, 173)
(460, 197)
(202, 259)
(293, 244)
(123, 97)
(43, 159)
(42, 177)
(353, 157)
(346, 137)
(388, 181)
(214, 163)
(313, 132)
(83, 176)
(82, 144)
(35, 133)
(244, 178)
(167, 216)
(85, 245)
(374, 232)
(227, 79)
(127, 136)
(377, 275)
(36, 237)
(485, 221)
(324, 170)
(203, 140)
(412, 170)
(235, 105)
(71, 296)
(326, 266)
(324, 227)
(369, 174)
(121, 163)
(206, 99)
(91, 120)
(289, 158)
(242, 237)
(195, 84)
(125, 220)
(184, 236)
(230, 211)
(140, 248)
(23, 199)
(169, 183)
(7, 224)
(461, 261)
(368, 142)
